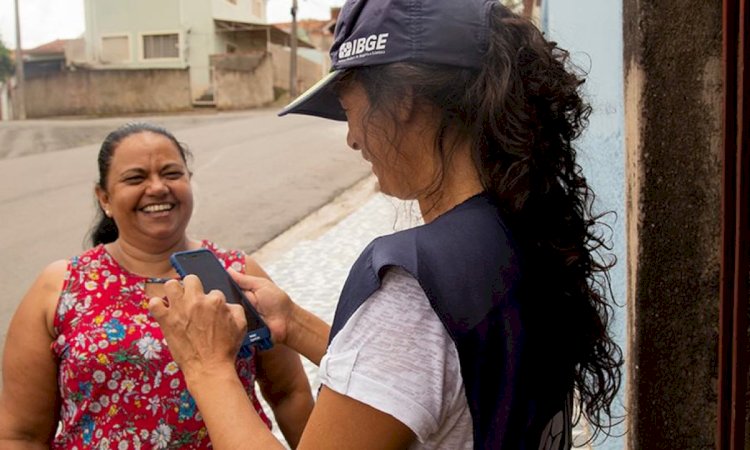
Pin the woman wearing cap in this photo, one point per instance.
(475, 329)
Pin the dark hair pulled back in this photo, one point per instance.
(105, 229)
(520, 112)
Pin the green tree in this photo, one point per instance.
(6, 62)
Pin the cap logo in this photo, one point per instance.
(373, 44)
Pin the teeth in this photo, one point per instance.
(157, 208)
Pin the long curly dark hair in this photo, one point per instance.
(521, 112)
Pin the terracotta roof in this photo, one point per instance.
(50, 48)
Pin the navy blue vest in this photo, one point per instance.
(469, 268)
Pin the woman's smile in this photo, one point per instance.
(157, 209)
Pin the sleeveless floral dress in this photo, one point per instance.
(120, 388)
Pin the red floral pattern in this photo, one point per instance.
(120, 388)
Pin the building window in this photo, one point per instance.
(115, 49)
(161, 46)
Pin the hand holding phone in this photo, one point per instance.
(269, 300)
(204, 264)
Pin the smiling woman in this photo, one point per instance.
(144, 193)
(82, 347)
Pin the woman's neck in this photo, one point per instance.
(152, 262)
(460, 182)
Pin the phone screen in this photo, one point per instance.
(207, 267)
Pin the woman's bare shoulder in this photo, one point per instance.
(54, 272)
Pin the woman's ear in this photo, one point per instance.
(103, 198)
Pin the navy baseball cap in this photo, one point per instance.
(373, 32)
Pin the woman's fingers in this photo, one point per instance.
(238, 313)
(202, 330)
(247, 282)
(174, 291)
(273, 304)
(158, 308)
(192, 289)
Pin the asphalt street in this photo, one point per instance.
(256, 175)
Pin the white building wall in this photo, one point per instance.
(592, 31)
(200, 41)
(246, 11)
(133, 20)
(191, 20)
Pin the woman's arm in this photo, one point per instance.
(285, 387)
(283, 382)
(204, 333)
(297, 328)
(337, 421)
(29, 401)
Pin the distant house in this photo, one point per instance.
(318, 32)
(47, 58)
(143, 56)
(177, 34)
(52, 57)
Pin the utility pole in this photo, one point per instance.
(293, 53)
(20, 98)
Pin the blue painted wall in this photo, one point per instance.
(592, 31)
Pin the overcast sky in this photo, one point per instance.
(46, 20)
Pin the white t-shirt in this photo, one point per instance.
(395, 355)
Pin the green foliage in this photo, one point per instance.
(6, 63)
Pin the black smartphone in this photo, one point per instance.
(204, 264)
